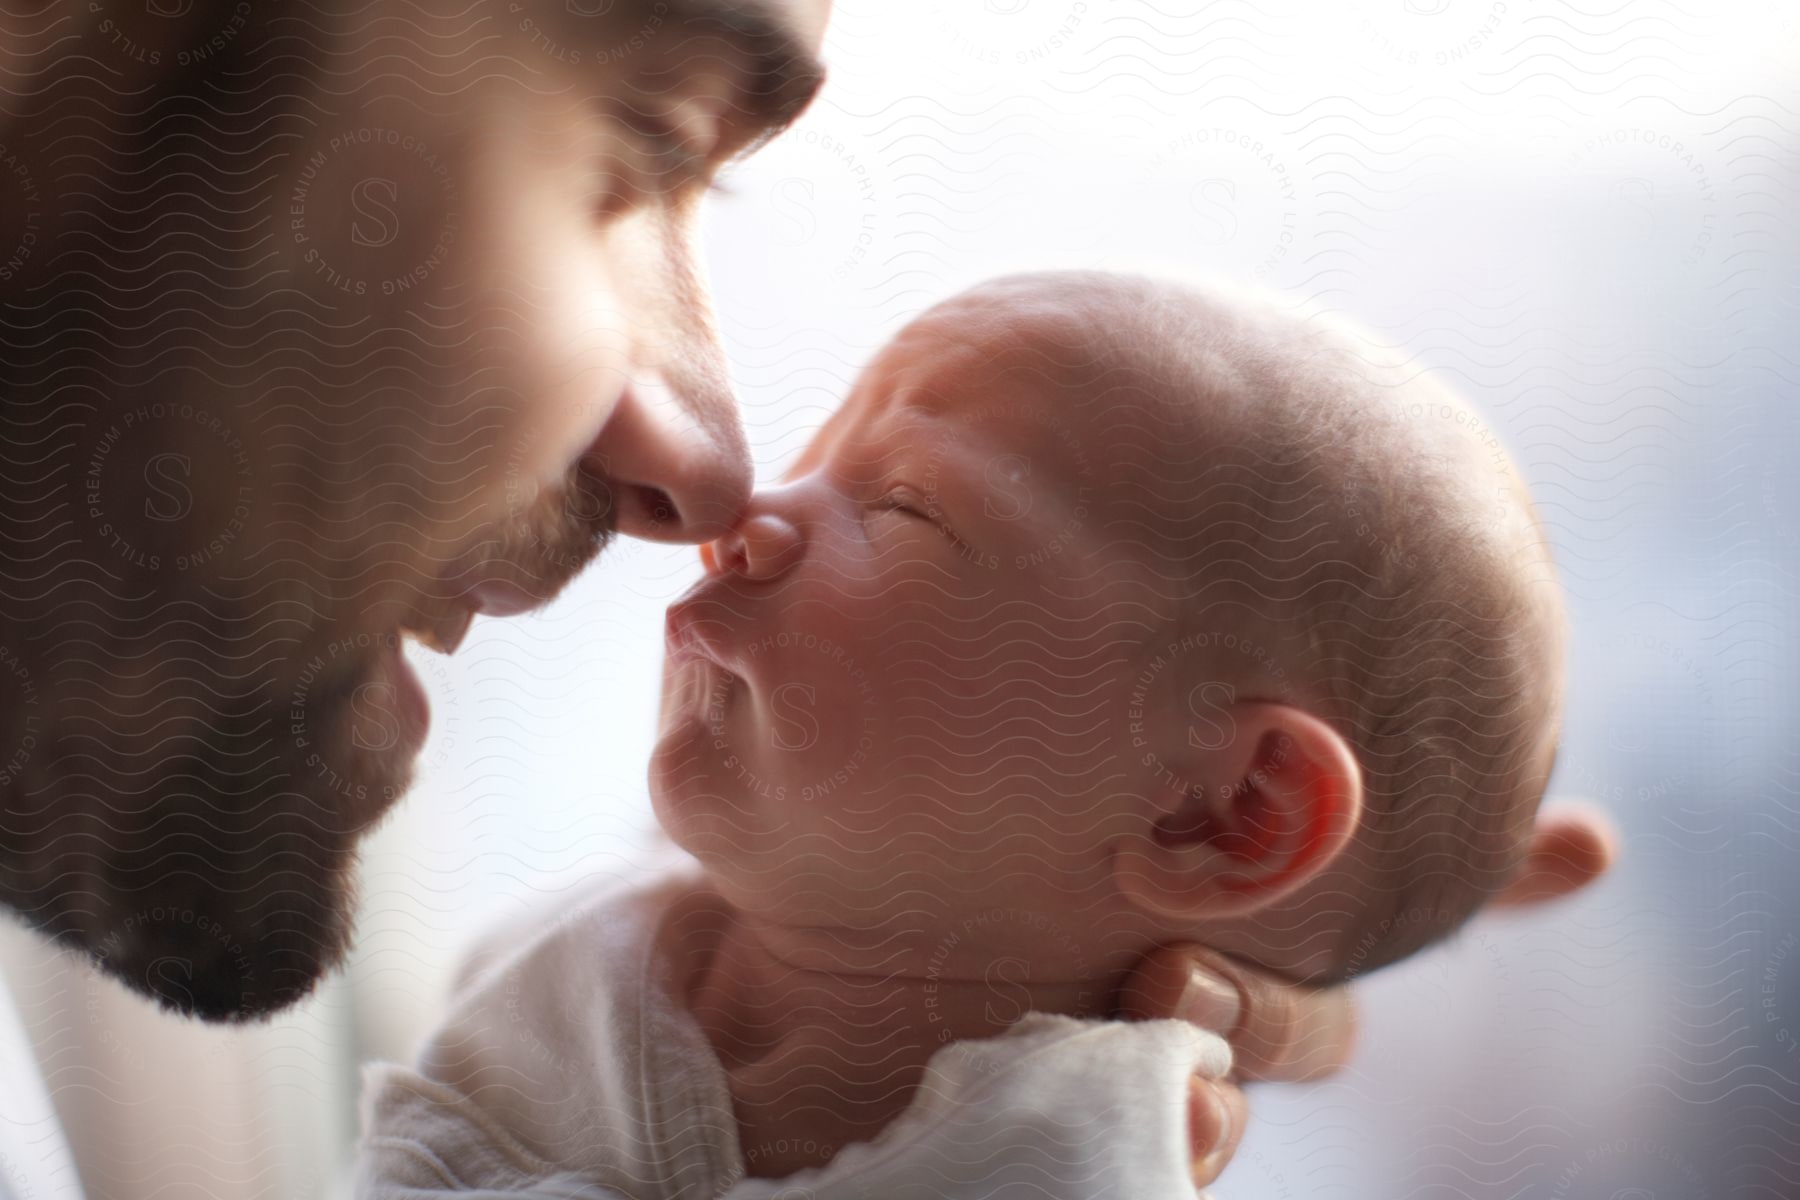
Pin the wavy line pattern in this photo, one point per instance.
(1578, 216)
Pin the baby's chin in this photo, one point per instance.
(691, 795)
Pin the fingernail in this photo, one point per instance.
(1207, 1166)
(1210, 1002)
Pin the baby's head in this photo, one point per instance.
(1106, 612)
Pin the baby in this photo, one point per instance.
(1105, 613)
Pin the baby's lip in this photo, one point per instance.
(686, 633)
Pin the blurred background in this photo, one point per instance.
(1584, 217)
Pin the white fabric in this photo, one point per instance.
(566, 1068)
(34, 1158)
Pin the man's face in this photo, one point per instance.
(366, 363)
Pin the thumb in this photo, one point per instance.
(1278, 1030)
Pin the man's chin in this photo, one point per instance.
(356, 730)
(198, 953)
(227, 892)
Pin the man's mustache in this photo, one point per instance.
(542, 547)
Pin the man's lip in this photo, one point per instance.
(443, 633)
(491, 596)
(501, 598)
(492, 588)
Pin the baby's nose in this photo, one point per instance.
(762, 546)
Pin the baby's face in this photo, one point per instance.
(906, 683)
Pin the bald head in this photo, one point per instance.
(1286, 476)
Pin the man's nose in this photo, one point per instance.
(674, 477)
(764, 546)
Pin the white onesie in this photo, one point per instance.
(566, 1068)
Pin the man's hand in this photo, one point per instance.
(1277, 1030)
(1288, 1032)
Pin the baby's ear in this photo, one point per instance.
(1571, 847)
(1247, 816)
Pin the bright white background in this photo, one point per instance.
(1584, 217)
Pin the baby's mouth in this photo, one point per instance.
(678, 631)
(693, 629)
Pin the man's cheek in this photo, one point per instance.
(554, 391)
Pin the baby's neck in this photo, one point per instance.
(824, 1040)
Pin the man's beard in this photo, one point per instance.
(550, 541)
(223, 882)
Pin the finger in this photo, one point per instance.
(1285, 1031)
(1165, 984)
(1571, 846)
(1289, 1032)
(1277, 1030)
(1217, 1114)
